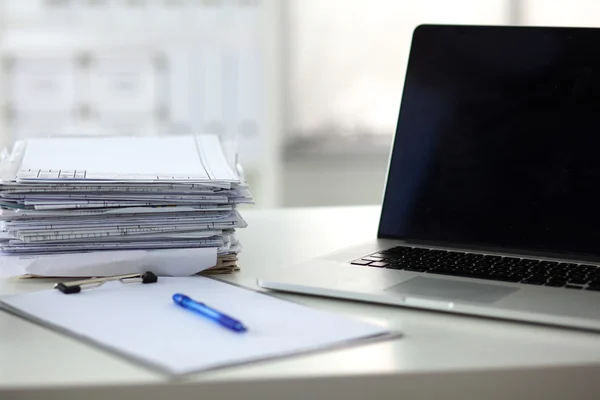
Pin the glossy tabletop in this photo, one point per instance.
(438, 354)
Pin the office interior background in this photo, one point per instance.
(307, 91)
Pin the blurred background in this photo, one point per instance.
(308, 91)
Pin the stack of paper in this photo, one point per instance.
(66, 195)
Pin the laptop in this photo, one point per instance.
(492, 199)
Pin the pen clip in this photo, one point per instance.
(78, 286)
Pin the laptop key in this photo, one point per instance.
(397, 250)
(530, 281)
(538, 269)
(578, 281)
(370, 258)
(558, 276)
(548, 263)
(360, 262)
(594, 276)
(566, 267)
(451, 272)
(586, 268)
(538, 277)
(556, 283)
(505, 278)
(396, 266)
(573, 286)
(416, 269)
(377, 255)
(519, 276)
(379, 264)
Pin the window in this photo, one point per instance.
(347, 60)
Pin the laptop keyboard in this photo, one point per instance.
(481, 266)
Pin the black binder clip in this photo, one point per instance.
(78, 286)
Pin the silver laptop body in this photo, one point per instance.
(490, 200)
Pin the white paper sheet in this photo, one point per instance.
(14, 214)
(167, 262)
(12, 266)
(185, 157)
(142, 322)
(61, 247)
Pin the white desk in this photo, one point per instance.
(450, 356)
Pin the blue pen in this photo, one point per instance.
(202, 309)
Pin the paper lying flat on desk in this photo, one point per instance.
(142, 322)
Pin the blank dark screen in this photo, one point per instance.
(497, 143)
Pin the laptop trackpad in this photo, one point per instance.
(452, 290)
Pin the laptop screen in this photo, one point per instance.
(498, 140)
